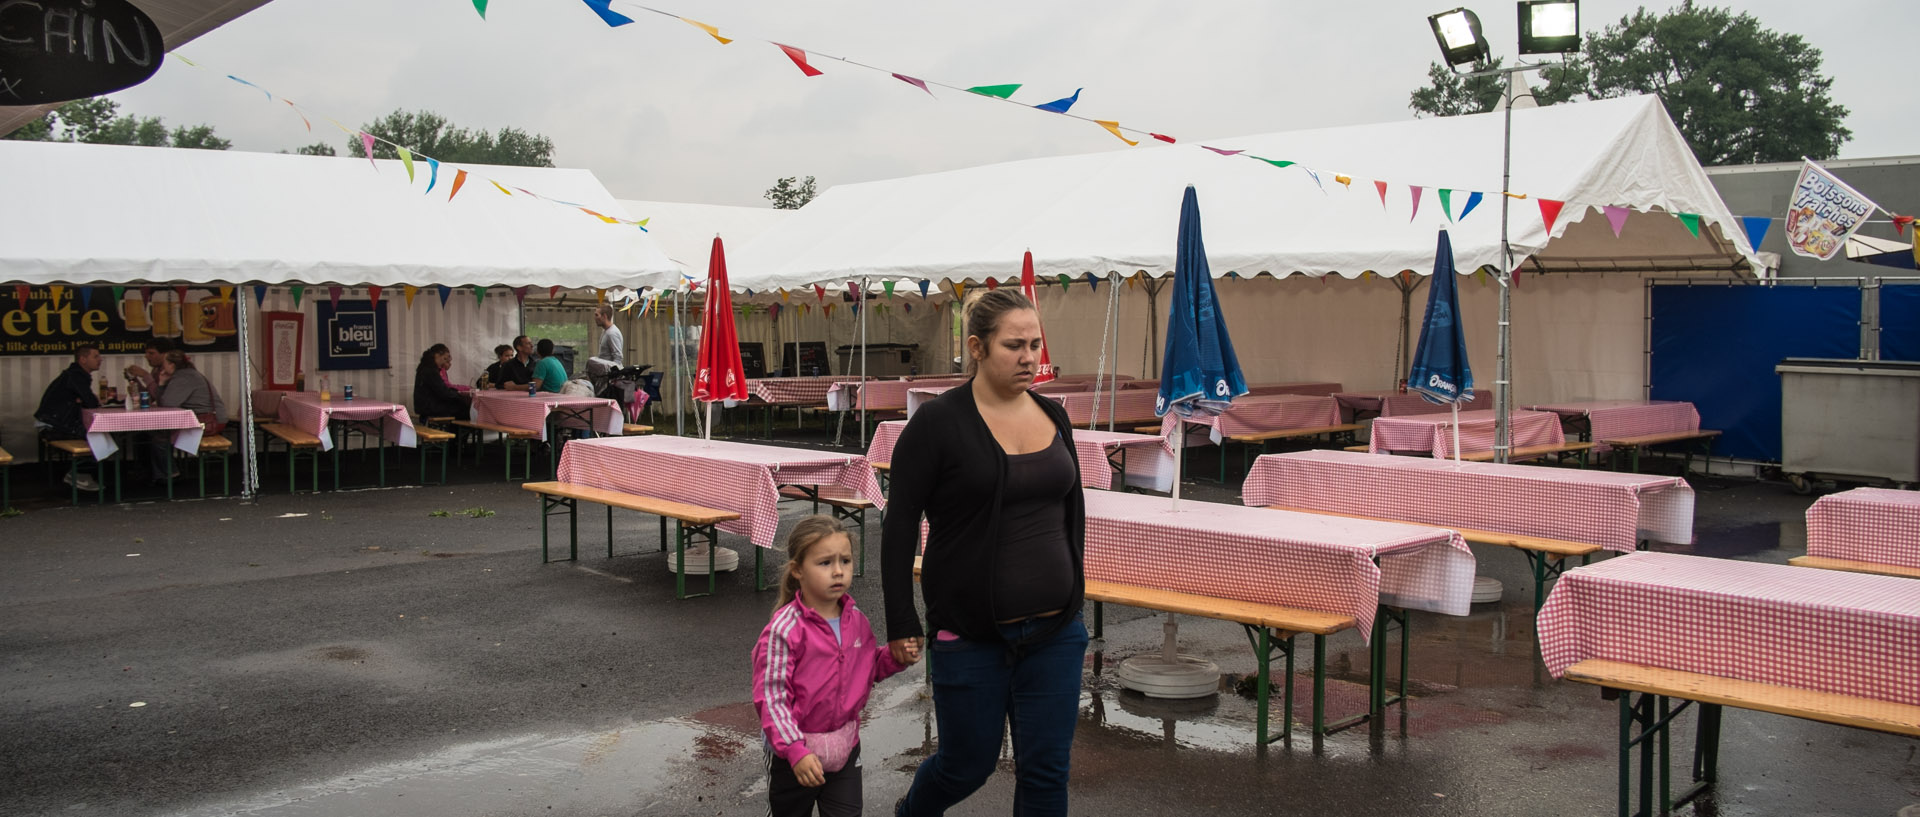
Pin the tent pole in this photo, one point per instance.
(1456, 430)
(1100, 370)
(860, 303)
(1503, 386)
(679, 368)
(249, 467)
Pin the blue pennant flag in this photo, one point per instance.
(612, 18)
(1756, 227)
(1061, 105)
(1473, 200)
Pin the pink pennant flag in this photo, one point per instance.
(1382, 187)
(520, 294)
(1616, 216)
(367, 139)
(799, 58)
(1415, 190)
(1224, 152)
(333, 294)
(914, 82)
(1550, 212)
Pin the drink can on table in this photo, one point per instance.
(146, 400)
(349, 391)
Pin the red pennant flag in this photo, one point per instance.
(921, 84)
(1382, 187)
(458, 179)
(820, 292)
(520, 294)
(373, 295)
(992, 284)
(1224, 152)
(800, 59)
(1900, 224)
(1162, 137)
(1415, 190)
(23, 292)
(1550, 212)
(333, 294)
(551, 291)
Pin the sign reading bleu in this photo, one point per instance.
(57, 50)
(352, 335)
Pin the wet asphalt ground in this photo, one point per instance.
(356, 653)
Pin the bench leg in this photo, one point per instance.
(1546, 568)
(1646, 721)
(684, 535)
(1265, 643)
(609, 531)
(548, 503)
(1385, 619)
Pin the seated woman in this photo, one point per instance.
(432, 395)
(185, 387)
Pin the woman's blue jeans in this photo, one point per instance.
(978, 691)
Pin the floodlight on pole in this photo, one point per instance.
(1458, 32)
(1549, 26)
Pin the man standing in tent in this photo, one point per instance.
(611, 343)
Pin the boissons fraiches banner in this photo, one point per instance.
(1824, 213)
(201, 321)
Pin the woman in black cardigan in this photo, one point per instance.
(993, 469)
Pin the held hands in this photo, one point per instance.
(809, 773)
(906, 651)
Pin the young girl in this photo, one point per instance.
(813, 668)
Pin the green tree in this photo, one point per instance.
(96, 121)
(429, 134)
(316, 149)
(790, 193)
(1738, 92)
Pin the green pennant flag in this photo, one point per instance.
(406, 158)
(117, 292)
(481, 6)
(1692, 220)
(1065, 279)
(1446, 202)
(297, 290)
(1276, 162)
(479, 295)
(888, 286)
(998, 91)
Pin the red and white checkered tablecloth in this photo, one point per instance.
(1309, 388)
(1614, 419)
(1434, 432)
(1300, 560)
(1257, 413)
(1089, 378)
(1846, 633)
(530, 412)
(1391, 403)
(919, 395)
(1612, 510)
(1123, 405)
(1876, 525)
(305, 411)
(880, 395)
(718, 474)
(1153, 384)
(102, 423)
(1148, 459)
(789, 390)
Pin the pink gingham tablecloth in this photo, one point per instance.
(789, 390)
(1434, 432)
(1300, 560)
(530, 412)
(919, 395)
(1149, 461)
(1825, 630)
(1127, 406)
(1391, 403)
(1256, 413)
(102, 423)
(1089, 378)
(1876, 525)
(1612, 510)
(1311, 389)
(729, 476)
(305, 411)
(880, 395)
(1614, 419)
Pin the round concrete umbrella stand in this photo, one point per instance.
(1486, 589)
(1170, 674)
(697, 560)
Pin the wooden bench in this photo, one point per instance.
(430, 440)
(6, 480)
(74, 452)
(213, 445)
(1265, 440)
(1530, 452)
(1653, 717)
(509, 437)
(299, 445)
(844, 506)
(1633, 445)
(1850, 566)
(1358, 449)
(634, 428)
(1270, 628)
(691, 522)
(1546, 556)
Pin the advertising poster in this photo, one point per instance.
(198, 321)
(352, 336)
(283, 331)
(1824, 211)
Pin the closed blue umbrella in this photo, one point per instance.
(1440, 372)
(1199, 371)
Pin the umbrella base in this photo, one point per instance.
(699, 563)
(1186, 676)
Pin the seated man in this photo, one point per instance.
(69, 393)
(149, 376)
(516, 372)
(548, 374)
(501, 354)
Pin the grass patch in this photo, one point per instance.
(470, 513)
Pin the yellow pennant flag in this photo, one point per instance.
(409, 290)
(1344, 179)
(600, 295)
(1916, 245)
(711, 31)
(56, 289)
(1516, 195)
(1114, 128)
(959, 290)
(784, 293)
(496, 186)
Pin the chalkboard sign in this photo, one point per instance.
(753, 360)
(808, 360)
(57, 50)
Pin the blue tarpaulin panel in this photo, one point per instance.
(1716, 347)
(1899, 322)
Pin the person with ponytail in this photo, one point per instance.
(813, 668)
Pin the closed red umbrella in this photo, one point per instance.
(719, 375)
(1045, 370)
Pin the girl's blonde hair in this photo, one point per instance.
(811, 531)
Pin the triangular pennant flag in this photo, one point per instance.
(1223, 151)
(445, 293)
(923, 288)
(1114, 128)
(998, 91)
(1062, 104)
(302, 114)
(479, 295)
(56, 291)
(1130, 283)
(1316, 180)
(333, 294)
(886, 285)
(711, 31)
(909, 306)
(433, 174)
(1616, 218)
(1281, 163)
(992, 284)
(226, 293)
(22, 292)
(1473, 200)
(406, 159)
(459, 179)
(1163, 137)
(921, 84)
(1692, 220)
(551, 291)
(785, 296)
(259, 296)
(146, 294)
(600, 296)
(181, 294)
(1382, 187)
(959, 290)
(1093, 283)
(480, 6)
(830, 309)
(820, 293)
(799, 58)
(373, 295)
(409, 291)
(1065, 281)
(1446, 202)
(1345, 181)
(86, 297)
(249, 85)
(120, 291)
(297, 291)
(1415, 190)
(520, 295)
(367, 140)
(1900, 224)
(612, 18)
(1550, 212)
(853, 291)
(1756, 227)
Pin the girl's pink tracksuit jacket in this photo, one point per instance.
(805, 681)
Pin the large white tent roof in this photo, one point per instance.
(82, 214)
(1118, 211)
(685, 231)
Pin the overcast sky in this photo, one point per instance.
(658, 110)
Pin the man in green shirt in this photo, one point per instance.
(548, 373)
